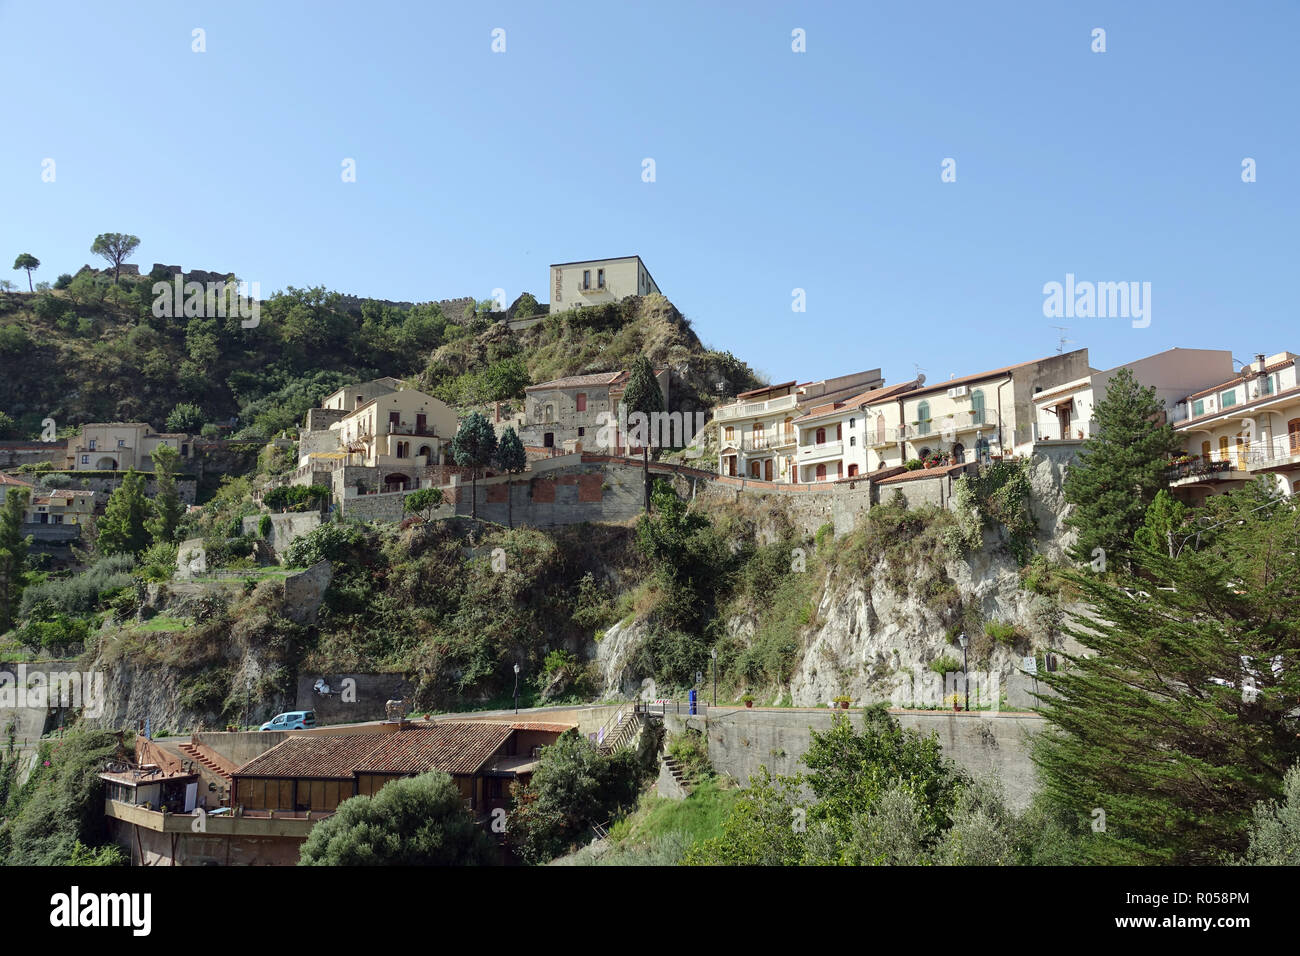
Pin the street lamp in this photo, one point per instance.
(963, 640)
(516, 688)
(714, 654)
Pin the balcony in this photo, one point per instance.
(827, 449)
(1217, 468)
(755, 409)
(763, 442)
(1282, 451)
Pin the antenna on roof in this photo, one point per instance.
(1062, 341)
(919, 370)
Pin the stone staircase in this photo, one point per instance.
(212, 767)
(624, 732)
(679, 775)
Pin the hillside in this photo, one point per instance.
(95, 352)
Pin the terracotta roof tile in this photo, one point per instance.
(579, 381)
(452, 747)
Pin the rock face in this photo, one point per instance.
(616, 654)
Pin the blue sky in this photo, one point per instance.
(775, 170)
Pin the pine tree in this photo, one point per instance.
(511, 459)
(643, 395)
(1120, 469)
(122, 528)
(1180, 721)
(167, 508)
(473, 447)
(13, 554)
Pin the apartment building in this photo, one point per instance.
(589, 282)
(757, 437)
(121, 446)
(1064, 413)
(969, 418)
(838, 440)
(1239, 428)
(60, 506)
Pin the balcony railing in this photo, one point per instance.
(753, 409)
(825, 450)
(762, 442)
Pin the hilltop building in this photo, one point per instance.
(589, 282)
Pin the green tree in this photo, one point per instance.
(122, 528)
(525, 306)
(187, 418)
(8, 428)
(642, 397)
(116, 247)
(423, 502)
(511, 459)
(1275, 831)
(167, 507)
(1162, 528)
(417, 821)
(13, 554)
(1180, 719)
(763, 828)
(473, 447)
(574, 786)
(1120, 469)
(29, 262)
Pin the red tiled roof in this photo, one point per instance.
(968, 379)
(579, 381)
(916, 473)
(15, 482)
(875, 395)
(452, 747)
(1239, 379)
(766, 388)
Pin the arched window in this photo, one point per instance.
(821, 437)
(853, 470)
(852, 423)
(839, 432)
(880, 428)
(821, 472)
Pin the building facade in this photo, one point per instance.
(756, 432)
(1242, 427)
(121, 446)
(573, 413)
(574, 285)
(837, 440)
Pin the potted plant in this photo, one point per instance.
(844, 700)
(956, 705)
(747, 700)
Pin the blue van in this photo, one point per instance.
(293, 720)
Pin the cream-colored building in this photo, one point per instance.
(397, 433)
(756, 432)
(8, 482)
(352, 397)
(969, 418)
(1242, 427)
(61, 506)
(1064, 413)
(598, 281)
(121, 446)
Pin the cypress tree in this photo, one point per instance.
(473, 447)
(122, 528)
(642, 395)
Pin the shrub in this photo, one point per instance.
(945, 665)
(329, 542)
(84, 592)
(1001, 633)
(264, 526)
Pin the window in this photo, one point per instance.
(821, 472)
(1229, 398)
(731, 433)
(586, 278)
(853, 470)
(85, 459)
(853, 441)
(977, 407)
(121, 443)
(821, 438)
(1266, 386)
(1205, 450)
(923, 418)
(852, 423)
(880, 429)
(1198, 407)
(839, 432)
(92, 444)
(582, 401)
(581, 431)
(600, 278)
